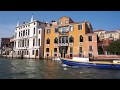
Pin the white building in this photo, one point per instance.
(28, 39)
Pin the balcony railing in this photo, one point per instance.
(63, 44)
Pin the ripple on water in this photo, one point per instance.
(47, 69)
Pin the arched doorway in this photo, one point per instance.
(36, 56)
(22, 54)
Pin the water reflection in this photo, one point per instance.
(43, 69)
(24, 69)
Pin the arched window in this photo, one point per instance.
(81, 38)
(18, 52)
(34, 30)
(39, 42)
(33, 42)
(71, 39)
(48, 41)
(28, 42)
(19, 34)
(28, 31)
(22, 43)
(56, 40)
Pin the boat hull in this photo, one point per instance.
(89, 64)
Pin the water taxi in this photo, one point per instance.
(79, 61)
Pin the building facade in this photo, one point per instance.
(0, 50)
(5, 46)
(28, 38)
(100, 34)
(112, 35)
(66, 38)
(105, 38)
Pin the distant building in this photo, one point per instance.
(106, 37)
(28, 38)
(66, 38)
(0, 50)
(100, 34)
(11, 51)
(112, 35)
(5, 45)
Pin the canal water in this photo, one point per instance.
(49, 69)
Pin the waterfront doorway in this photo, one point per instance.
(22, 54)
(63, 51)
(36, 52)
(36, 55)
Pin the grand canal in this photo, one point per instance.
(49, 69)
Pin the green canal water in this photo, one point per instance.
(49, 69)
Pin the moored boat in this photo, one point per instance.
(78, 61)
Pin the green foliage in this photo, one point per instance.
(100, 50)
(114, 47)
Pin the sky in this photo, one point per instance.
(105, 20)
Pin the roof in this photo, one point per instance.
(110, 31)
(66, 17)
(98, 30)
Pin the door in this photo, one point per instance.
(36, 52)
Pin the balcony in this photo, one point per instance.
(80, 43)
(63, 34)
(63, 44)
(70, 44)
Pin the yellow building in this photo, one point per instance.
(67, 38)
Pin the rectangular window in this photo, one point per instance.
(33, 52)
(48, 31)
(90, 48)
(90, 54)
(80, 49)
(89, 38)
(110, 35)
(56, 30)
(66, 22)
(71, 28)
(79, 27)
(39, 31)
(55, 55)
(55, 49)
(80, 55)
(71, 55)
(71, 49)
(47, 49)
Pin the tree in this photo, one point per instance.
(100, 50)
(114, 47)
